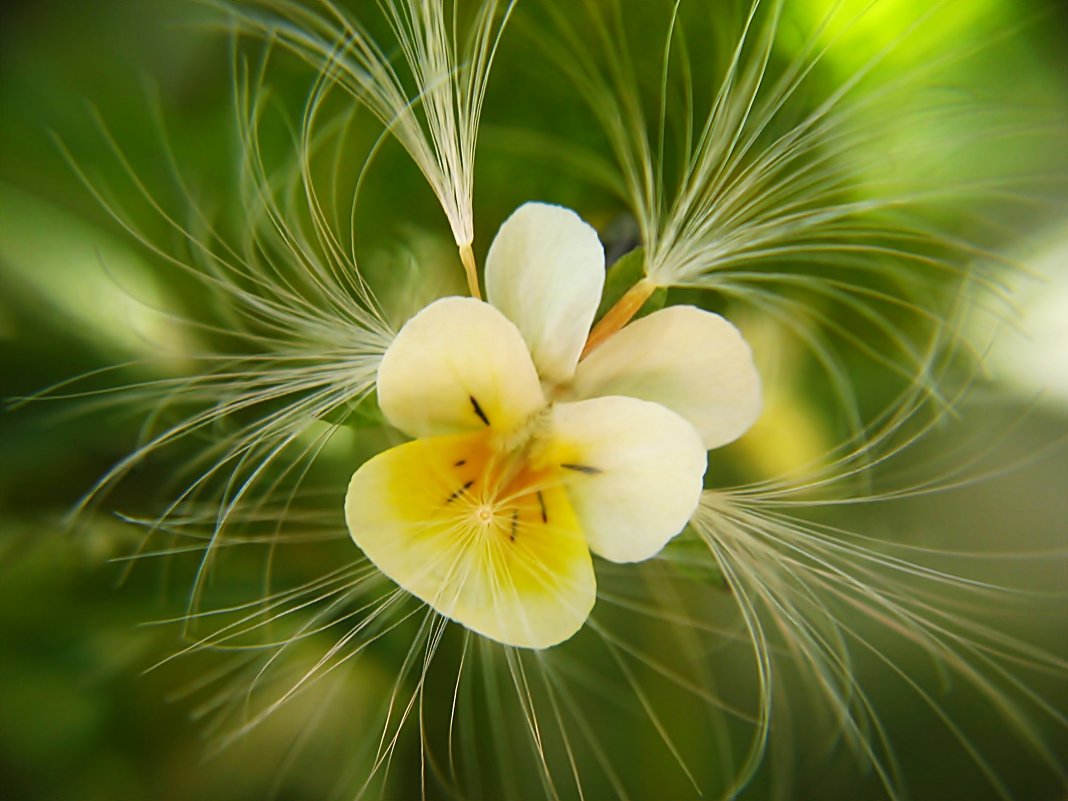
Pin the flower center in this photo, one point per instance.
(498, 485)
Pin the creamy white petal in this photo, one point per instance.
(545, 271)
(498, 550)
(692, 361)
(458, 365)
(633, 471)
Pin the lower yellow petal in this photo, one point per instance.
(478, 534)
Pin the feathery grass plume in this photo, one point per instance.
(820, 600)
(291, 333)
(762, 169)
(434, 109)
(774, 197)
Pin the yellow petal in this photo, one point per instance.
(478, 535)
(458, 365)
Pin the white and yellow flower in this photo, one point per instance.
(526, 459)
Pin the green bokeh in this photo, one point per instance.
(80, 720)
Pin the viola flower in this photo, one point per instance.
(527, 456)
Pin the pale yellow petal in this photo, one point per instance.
(482, 538)
(545, 271)
(458, 365)
(634, 472)
(692, 361)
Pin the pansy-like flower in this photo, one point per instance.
(526, 459)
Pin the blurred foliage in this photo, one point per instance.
(78, 718)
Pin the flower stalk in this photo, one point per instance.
(619, 315)
(467, 256)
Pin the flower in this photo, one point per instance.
(526, 459)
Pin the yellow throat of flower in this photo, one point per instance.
(480, 526)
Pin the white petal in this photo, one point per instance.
(633, 471)
(692, 361)
(545, 271)
(458, 365)
(524, 578)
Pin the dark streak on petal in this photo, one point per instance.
(544, 511)
(478, 410)
(459, 492)
(583, 468)
(515, 522)
(460, 463)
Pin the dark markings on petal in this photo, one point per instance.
(515, 523)
(583, 468)
(544, 511)
(460, 463)
(459, 492)
(478, 410)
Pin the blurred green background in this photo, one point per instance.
(80, 720)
